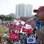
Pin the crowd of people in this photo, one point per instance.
(20, 32)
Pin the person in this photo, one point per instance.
(24, 39)
(35, 34)
(38, 24)
(0, 39)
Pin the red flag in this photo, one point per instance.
(27, 30)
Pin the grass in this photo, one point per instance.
(3, 30)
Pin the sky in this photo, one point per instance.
(8, 6)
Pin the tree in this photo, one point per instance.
(8, 18)
(2, 18)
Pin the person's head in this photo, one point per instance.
(34, 30)
(29, 34)
(40, 13)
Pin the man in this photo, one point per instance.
(40, 14)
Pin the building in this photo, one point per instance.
(28, 10)
(23, 10)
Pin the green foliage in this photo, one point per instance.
(2, 17)
(8, 18)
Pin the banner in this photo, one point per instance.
(31, 39)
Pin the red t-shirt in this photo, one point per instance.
(14, 36)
